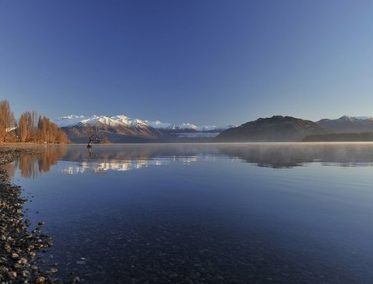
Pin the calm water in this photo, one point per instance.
(242, 213)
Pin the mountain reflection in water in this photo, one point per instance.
(120, 157)
(213, 213)
(121, 165)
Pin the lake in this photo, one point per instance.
(204, 213)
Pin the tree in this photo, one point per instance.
(27, 126)
(43, 129)
(31, 127)
(48, 132)
(7, 121)
(24, 125)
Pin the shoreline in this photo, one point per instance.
(17, 146)
(19, 244)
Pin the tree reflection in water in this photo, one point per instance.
(32, 164)
(117, 157)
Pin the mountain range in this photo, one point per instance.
(348, 124)
(286, 128)
(123, 120)
(121, 128)
(276, 128)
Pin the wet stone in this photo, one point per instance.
(19, 245)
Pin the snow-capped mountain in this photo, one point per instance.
(93, 120)
(355, 118)
(122, 120)
(121, 128)
(346, 124)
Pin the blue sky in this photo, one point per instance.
(206, 62)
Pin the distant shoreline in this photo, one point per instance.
(21, 146)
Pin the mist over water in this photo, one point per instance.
(205, 213)
(123, 157)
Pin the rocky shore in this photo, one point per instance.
(19, 244)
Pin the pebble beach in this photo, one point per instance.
(20, 244)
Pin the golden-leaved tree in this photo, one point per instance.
(27, 126)
(31, 127)
(7, 120)
(49, 132)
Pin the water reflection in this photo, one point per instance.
(288, 155)
(206, 216)
(121, 166)
(40, 161)
(132, 157)
(78, 160)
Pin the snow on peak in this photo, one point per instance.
(355, 118)
(158, 124)
(187, 126)
(123, 120)
(69, 120)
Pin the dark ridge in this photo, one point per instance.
(276, 128)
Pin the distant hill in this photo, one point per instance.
(347, 124)
(276, 128)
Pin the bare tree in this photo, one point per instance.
(7, 121)
(24, 126)
(48, 132)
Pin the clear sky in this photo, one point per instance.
(205, 62)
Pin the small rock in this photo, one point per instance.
(12, 274)
(26, 274)
(40, 280)
(15, 255)
(22, 260)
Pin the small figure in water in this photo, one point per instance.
(89, 146)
